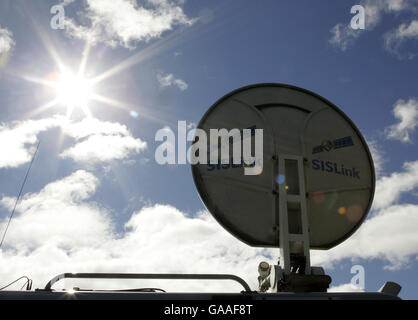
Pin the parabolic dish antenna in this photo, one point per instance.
(316, 166)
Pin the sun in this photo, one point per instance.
(73, 91)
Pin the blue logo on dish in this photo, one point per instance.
(328, 145)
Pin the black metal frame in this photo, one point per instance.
(59, 277)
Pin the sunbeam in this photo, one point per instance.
(157, 47)
(125, 106)
(177, 37)
(84, 58)
(37, 80)
(42, 108)
(48, 46)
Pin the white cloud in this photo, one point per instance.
(375, 9)
(343, 36)
(346, 287)
(408, 31)
(191, 125)
(377, 155)
(96, 140)
(395, 38)
(125, 22)
(389, 189)
(100, 141)
(6, 40)
(60, 230)
(17, 140)
(90, 126)
(66, 2)
(407, 113)
(58, 216)
(167, 80)
(390, 236)
(103, 148)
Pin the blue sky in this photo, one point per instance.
(92, 208)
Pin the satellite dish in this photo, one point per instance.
(316, 166)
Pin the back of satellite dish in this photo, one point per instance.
(312, 190)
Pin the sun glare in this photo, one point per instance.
(73, 91)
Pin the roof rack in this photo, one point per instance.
(59, 277)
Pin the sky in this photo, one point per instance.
(97, 201)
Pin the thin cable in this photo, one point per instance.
(18, 197)
(28, 285)
(22, 277)
(25, 284)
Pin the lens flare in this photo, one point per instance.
(280, 179)
(134, 114)
(73, 90)
(331, 199)
(355, 213)
(342, 210)
(318, 197)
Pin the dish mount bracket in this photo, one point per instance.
(293, 272)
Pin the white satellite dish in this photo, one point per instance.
(318, 179)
